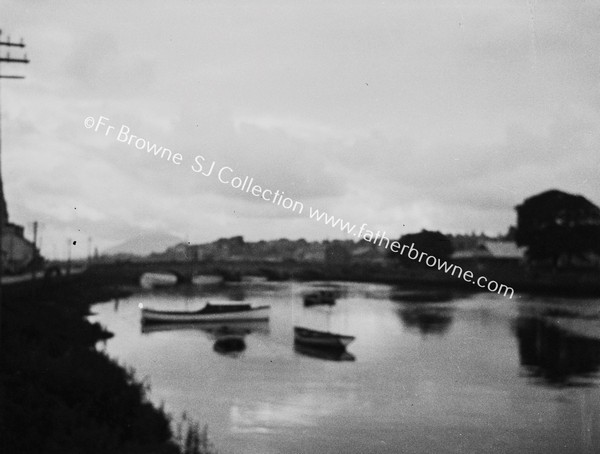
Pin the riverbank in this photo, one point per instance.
(59, 394)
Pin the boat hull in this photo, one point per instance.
(321, 339)
(254, 314)
(319, 298)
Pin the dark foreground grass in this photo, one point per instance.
(58, 394)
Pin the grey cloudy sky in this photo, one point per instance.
(402, 115)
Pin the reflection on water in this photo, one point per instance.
(230, 344)
(207, 279)
(212, 328)
(236, 293)
(430, 319)
(229, 337)
(421, 296)
(152, 280)
(330, 354)
(555, 355)
(427, 377)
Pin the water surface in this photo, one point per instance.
(476, 373)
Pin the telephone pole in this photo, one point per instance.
(6, 58)
(3, 210)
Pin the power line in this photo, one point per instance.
(3, 209)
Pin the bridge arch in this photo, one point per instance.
(154, 276)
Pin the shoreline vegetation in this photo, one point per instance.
(59, 394)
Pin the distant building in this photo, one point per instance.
(310, 252)
(498, 259)
(468, 241)
(337, 253)
(364, 252)
(3, 208)
(499, 250)
(179, 252)
(235, 249)
(17, 252)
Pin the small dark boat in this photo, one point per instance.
(321, 339)
(325, 297)
(209, 313)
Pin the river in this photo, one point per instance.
(475, 373)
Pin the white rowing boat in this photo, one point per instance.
(209, 313)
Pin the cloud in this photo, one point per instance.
(406, 116)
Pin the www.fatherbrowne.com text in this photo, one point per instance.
(412, 253)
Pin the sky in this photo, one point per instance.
(402, 115)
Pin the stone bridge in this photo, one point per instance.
(130, 272)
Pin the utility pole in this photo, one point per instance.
(3, 210)
(7, 59)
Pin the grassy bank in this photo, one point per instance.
(58, 394)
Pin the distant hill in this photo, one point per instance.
(145, 244)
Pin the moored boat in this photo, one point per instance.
(319, 297)
(321, 339)
(209, 313)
